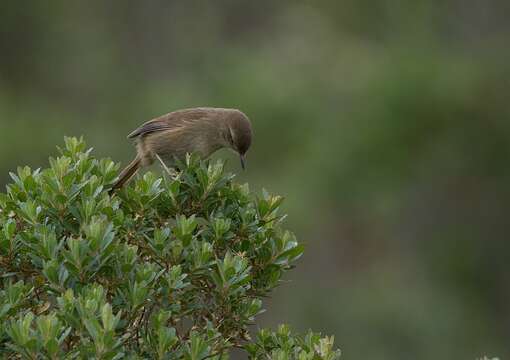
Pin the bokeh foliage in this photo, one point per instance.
(169, 268)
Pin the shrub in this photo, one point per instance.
(168, 268)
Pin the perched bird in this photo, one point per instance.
(198, 130)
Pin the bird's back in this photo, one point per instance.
(177, 119)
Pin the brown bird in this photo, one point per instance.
(197, 130)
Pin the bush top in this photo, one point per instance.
(168, 268)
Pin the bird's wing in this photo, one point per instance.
(149, 127)
(170, 121)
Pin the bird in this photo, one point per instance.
(201, 130)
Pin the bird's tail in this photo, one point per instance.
(127, 174)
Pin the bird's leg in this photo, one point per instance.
(168, 171)
(171, 172)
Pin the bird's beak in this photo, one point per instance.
(243, 161)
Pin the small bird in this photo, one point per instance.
(201, 130)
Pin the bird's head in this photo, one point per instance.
(238, 133)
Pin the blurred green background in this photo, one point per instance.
(385, 124)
